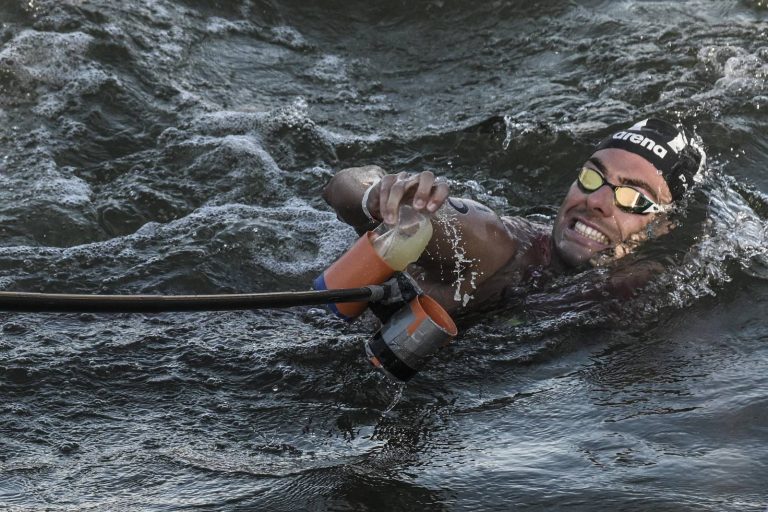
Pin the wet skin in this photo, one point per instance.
(499, 254)
(597, 210)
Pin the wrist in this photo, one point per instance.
(364, 203)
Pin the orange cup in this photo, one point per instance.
(360, 266)
(410, 337)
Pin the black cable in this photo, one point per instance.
(69, 303)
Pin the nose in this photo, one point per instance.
(601, 201)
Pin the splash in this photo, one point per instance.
(459, 258)
(721, 234)
(398, 396)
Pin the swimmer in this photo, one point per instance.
(476, 258)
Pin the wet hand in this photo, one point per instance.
(423, 191)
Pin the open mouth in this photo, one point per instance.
(590, 232)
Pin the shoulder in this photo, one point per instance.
(527, 230)
(471, 234)
(534, 240)
(478, 226)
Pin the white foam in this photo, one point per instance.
(219, 26)
(331, 69)
(57, 61)
(68, 191)
(289, 37)
(37, 178)
(227, 121)
(740, 71)
(48, 57)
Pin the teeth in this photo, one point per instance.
(590, 233)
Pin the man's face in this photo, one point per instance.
(588, 224)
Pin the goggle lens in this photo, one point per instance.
(590, 179)
(627, 198)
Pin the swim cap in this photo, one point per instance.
(664, 146)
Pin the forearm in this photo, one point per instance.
(344, 193)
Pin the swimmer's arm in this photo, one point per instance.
(469, 243)
(344, 193)
(465, 231)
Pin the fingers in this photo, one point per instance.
(440, 192)
(391, 194)
(426, 180)
(423, 191)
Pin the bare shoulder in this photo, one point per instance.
(525, 229)
(471, 237)
(479, 256)
(534, 241)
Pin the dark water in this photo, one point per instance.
(179, 146)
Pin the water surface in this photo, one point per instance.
(180, 146)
